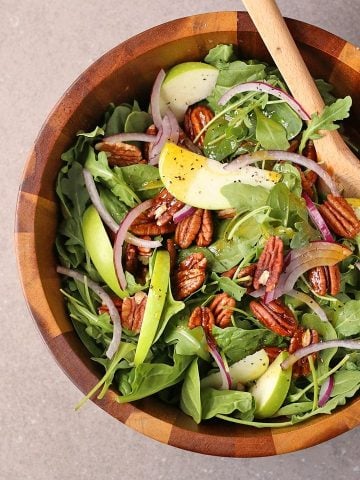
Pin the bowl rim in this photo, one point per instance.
(173, 429)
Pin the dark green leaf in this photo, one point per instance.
(190, 401)
(225, 402)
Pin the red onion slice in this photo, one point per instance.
(280, 155)
(160, 139)
(106, 300)
(325, 391)
(174, 126)
(155, 99)
(225, 374)
(183, 213)
(96, 201)
(265, 88)
(317, 347)
(121, 237)
(140, 242)
(310, 302)
(127, 137)
(317, 219)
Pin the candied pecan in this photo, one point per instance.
(309, 151)
(245, 274)
(222, 308)
(196, 227)
(275, 316)
(121, 154)
(105, 309)
(152, 130)
(144, 253)
(325, 279)
(340, 216)
(132, 311)
(202, 316)
(302, 338)
(195, 120)
(142, 225)
(294, 145)
(131, 260)
(170, 247)
(164, 207)
(272, 352)
(270, 264)
(189, 276)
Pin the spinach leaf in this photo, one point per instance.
(325, 121)
(171, 308)
(137, 122)
(116, 122)
(240, 72)
(140, 177)
(190, 401)
(269, 133)
(245, 197)
(222, 140)
(347, 319)
(215, 401)
(237, 343)
(149, 378)
(220, 55)
(284, 115)
(228, 286)
(346, 382)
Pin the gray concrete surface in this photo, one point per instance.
(44, 46)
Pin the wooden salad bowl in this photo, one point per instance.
(126, 72)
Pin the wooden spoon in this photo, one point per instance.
(331, 149)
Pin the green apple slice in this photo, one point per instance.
(246, 370)
(271, 388)
(186, 84)
(197, 180)
(98, 245)
(154, 305)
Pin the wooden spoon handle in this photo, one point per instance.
(330, 149)
(278, 40)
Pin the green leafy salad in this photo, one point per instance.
(200, 261)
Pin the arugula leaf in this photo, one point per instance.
(346, 381)
(78, 151)
(222, 140)
(98, 166)
(346, 319)
(113, 205)
(325, 121)
(220, 55)
(270, 134)
(215, 402)
(149, 378)
(240, 72)
(228, 285)
(190, 401)
(325, 90)
(290, 177)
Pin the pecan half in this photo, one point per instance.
(131, 260)
(121, 154)
(201, 317)
(105, 309)
(195, 120)
(222, 308)
(189, 276)
(132, 311)
(340, 216)
(270, 264)
(303, 338)
(245, 275)
(163, 208)
(272, 352)
(226, 213)
(152, 130)
(325, 280)
(197, 228)
(143, 226)
(275, 316)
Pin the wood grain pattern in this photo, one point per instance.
(128, 71)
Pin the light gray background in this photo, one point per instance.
(44, 46)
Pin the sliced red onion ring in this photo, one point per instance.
(140, 242)
(121, 237)
(127, 137)
(155, 99)
(106, 300)
(310, 302)
(325, 391)
(265, 88)
(183, 213)
(317, 219)
(160, 139)
(303, 259)
(174, 126)
(225, 374)
(280, 155)
(96, 200)
(317, 347)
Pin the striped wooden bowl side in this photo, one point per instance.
(125, 72)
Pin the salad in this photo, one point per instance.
(200, 261)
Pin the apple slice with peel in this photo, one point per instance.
(246, 370)
(186, 84)
(197, 180)
(271, 388)
(98, 245)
